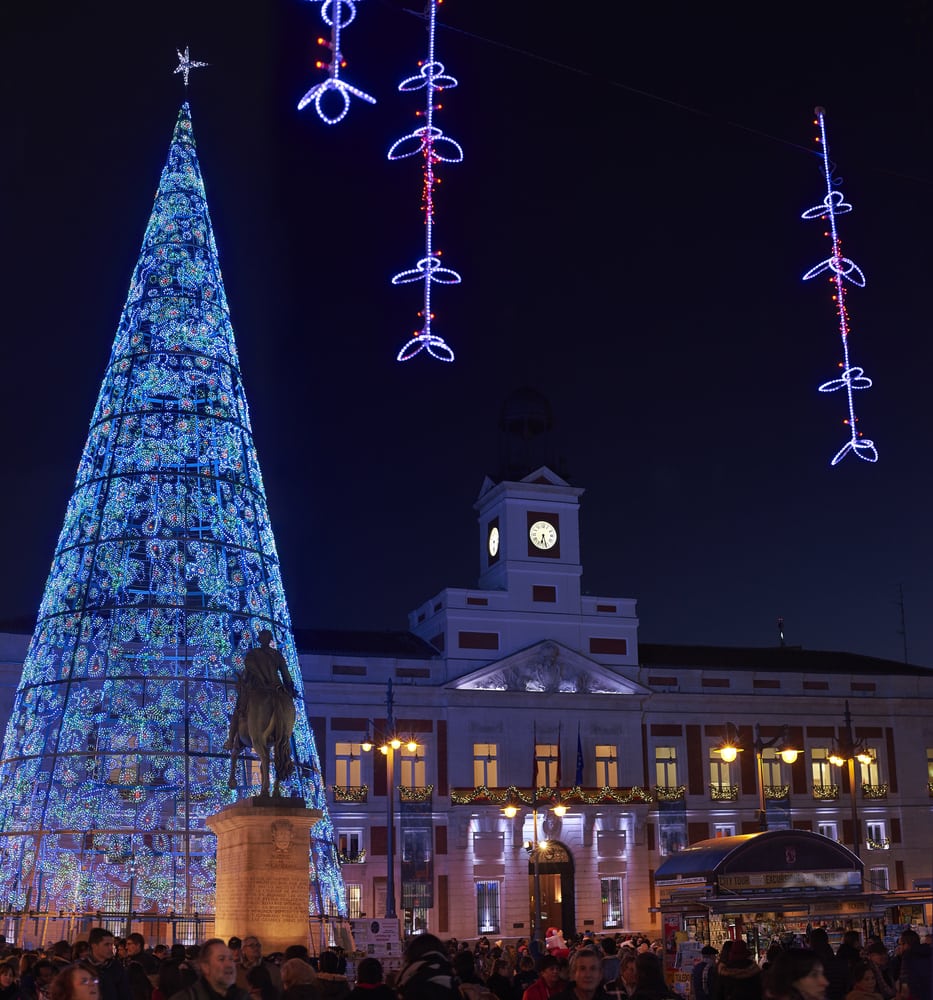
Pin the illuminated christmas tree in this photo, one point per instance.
(164, 574)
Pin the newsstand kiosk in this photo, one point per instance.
(761, 887)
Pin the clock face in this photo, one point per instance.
(543, 535)
(493, 540)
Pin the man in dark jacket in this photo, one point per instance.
(916, 972)
(217, 979)
(703, 977)
(113, 982)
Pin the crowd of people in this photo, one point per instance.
(613, 968)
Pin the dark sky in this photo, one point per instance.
(626, 221)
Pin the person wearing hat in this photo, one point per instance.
(703, 978)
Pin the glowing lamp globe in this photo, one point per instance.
(789, 755)
(728, 753)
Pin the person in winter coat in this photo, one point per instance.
(370, 982)
(914, 978)
(740, 977)
(426, 972)
(704, 976)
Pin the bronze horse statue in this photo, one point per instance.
(264, 718)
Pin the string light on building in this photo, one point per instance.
(435, 148)
(841, 270)
(337, 15)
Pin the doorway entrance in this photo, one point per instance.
(555, 874)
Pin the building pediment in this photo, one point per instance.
(548, 667)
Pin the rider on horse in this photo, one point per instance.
(265, 674)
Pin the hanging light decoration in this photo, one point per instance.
(841, 271)
(435, 148)
(337, 15)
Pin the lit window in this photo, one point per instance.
(347, 765)
(607, 769)
(821, 768)
(724, 829)
(672, 837)
(828, 829)
(610, 890)
(665, 765)
(870, 772)
(350, 844)
(930, 765)
(487, 907)
(413, 768)
(546, 761)
(354, 900)
(485, 765)
(876, 834)
(878, 879)
(720, 772)
(772, 773)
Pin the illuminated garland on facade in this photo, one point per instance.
(434, 147)
(546, 796)
(337, 15)
(164, 573)
(841, 270)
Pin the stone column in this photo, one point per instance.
(263, 870)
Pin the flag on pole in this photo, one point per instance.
(534, 758)
(578, 778)
(559, 724)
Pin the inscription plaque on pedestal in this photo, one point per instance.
(263, 870)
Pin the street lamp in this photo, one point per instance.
(391, 742)
(534, 847)
(847, 750)
(731, 747)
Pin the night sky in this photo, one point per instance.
(627, 224)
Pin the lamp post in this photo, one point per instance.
(390, 743)
(730, 748)
(847, 750)
(534, 848)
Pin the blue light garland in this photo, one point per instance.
(435, 147)
(164, 573)
(337, 15)
(841, 270)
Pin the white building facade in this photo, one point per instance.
(524, 692)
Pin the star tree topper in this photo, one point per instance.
(186, 64)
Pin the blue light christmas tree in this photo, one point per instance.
(164, 573)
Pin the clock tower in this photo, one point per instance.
(529, 540)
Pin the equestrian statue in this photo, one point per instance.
(264, 717)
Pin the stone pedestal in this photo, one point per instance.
(263, 870)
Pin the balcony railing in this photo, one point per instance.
(878, 845)
(777, 792)
(874, 791)
(350, 793)
(670, 793)
(826, 792)
(724, 793)
(930, 787)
